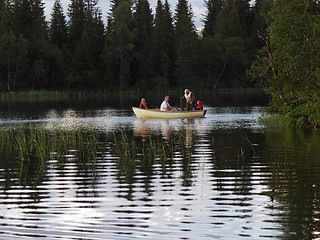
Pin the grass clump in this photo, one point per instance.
(26, 143)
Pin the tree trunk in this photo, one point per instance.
(224, 67)
(14, 79)
(9, 66)
(8, 87)
(121, 68)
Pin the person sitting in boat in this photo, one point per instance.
(198, 106)
(189, 99)
(143, 104)
(165, 106)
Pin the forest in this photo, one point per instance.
(287, 66)
(138, 47)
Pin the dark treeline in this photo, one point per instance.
(136, 48)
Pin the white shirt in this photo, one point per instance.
(188, 97)
(164, 106)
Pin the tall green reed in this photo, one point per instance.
(29, 142)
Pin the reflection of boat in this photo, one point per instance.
(141, 129)
(157, 114)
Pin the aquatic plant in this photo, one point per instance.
(35, 142)
(252, 147)
(127, 148)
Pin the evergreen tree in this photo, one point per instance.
(143, 24)
(119, 46)
(245, 16)
(259, 25)
(208, 49)
(22, 18)
(39, 45)
(29, 22)
(88, 51)
(58, 26)
(163, 42)
(12, 60)
(57, 61)
(113, 6)
(186, 42)
(213, 7)
(168, 44)
(228, 21)
(232, 32)
(6, 15)
(40, 26)
(156, 37)
(76, 13)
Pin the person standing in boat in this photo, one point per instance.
(189, 99)
(165, 106)
(143, 104)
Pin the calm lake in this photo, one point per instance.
(229, 175)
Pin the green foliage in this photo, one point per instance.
(135, 49)
(143, 21)
(58, 26)
(121, 37)
(6, 16)
(12, 59)
(186, 43)
(287, 67)
(213, 8)
(28, 143)
(228, 27)
(163, 38)
(76, 13)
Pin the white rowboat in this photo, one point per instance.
(157, 114)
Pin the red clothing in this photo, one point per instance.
(199, 106)
(143, 105)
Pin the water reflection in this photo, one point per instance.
(141, 128)
(189, 132)
(165, 129)
(180, 179)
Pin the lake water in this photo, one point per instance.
(235, 177)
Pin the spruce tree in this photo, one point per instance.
(23, 18)
(113, 6)
(163, 42)
(58, 51)
(168, 44)
(58, 26)
(88, 51)
(13, 60)
(228, 21)
(156, 38)
(29, 22)
(76, 13)
(6, 15)
(186, 43)
(245, 15)
(119, 45)
(143, 20)
(259, 25)
(213, 7)
(232, 32)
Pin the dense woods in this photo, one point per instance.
(288, 64)
(135, 47)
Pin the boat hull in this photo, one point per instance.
(157, 114)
